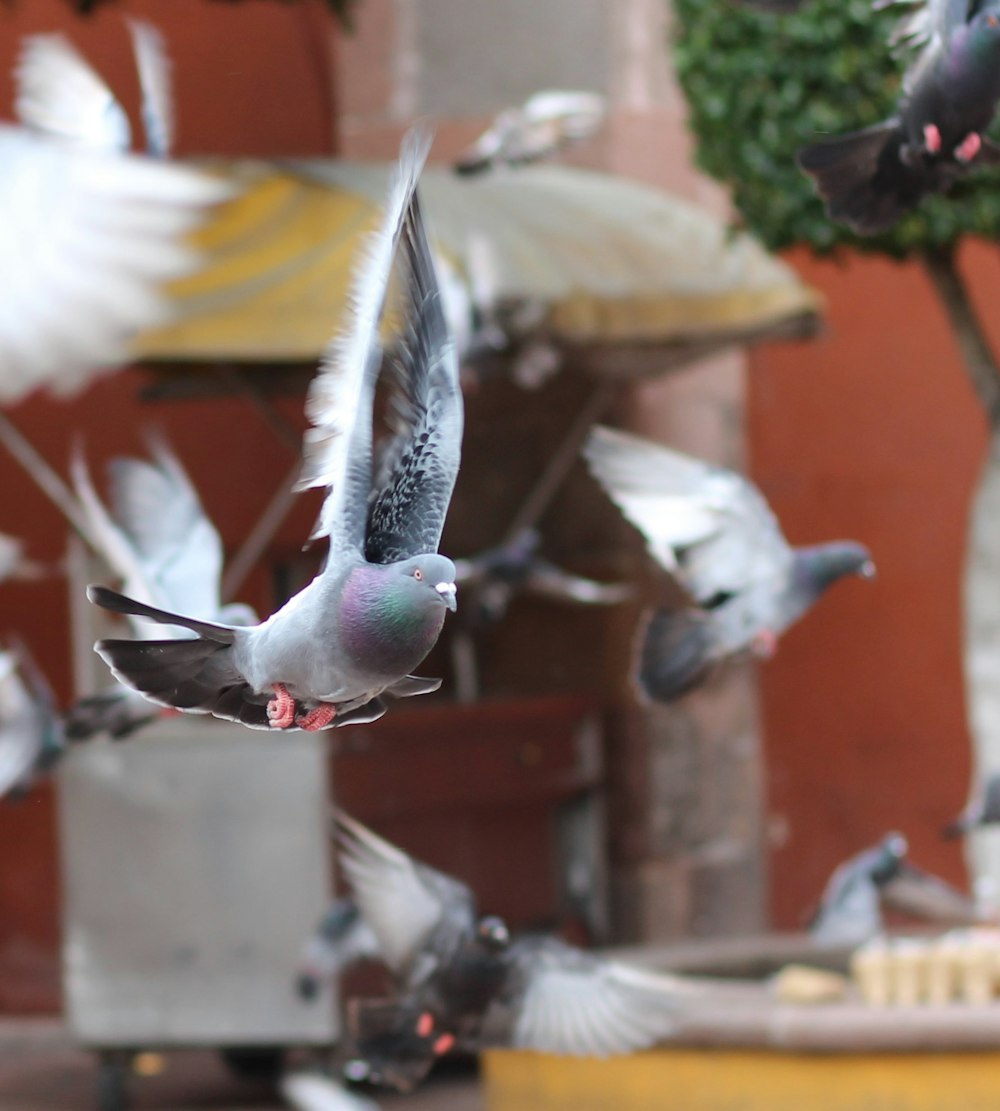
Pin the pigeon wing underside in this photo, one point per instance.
(418, 464)
(337, 448)
(404, 902)
(562, 1000)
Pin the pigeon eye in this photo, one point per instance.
(418, 574)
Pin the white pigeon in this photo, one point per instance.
(158, 540)
(543, 125)
(90, 235)
(712, 530)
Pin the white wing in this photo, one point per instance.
(60, 95)
(20, 726)
(584, 1006)
(404, 902)
(708, 526)
(86, 243)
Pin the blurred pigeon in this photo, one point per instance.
(31, 737)
(463, 980)
(312, 1091)
(920, 894)
(983, 809)
(159, 541)
(496, 575)
(543, 125)
(89, 235)
(850, 909)
(712, 530)
(342, 938)
(337, 650)
(950, 91)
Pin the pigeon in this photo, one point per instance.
(31, 735)
(462, 980)
(543, 125)
(713, 531)
(90, 234)
(496, 575)
(342, 938)
(869, 178)
(337, 651)
(159, 541)
(850, 908)
(983, 809)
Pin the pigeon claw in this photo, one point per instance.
(281, 708)
(932, 138)
(318, 718)
(425, 1024)
(968, 148)
(443, 1044)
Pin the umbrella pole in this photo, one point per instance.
(28, 456)
(560, 463)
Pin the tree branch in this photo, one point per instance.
(977, 355)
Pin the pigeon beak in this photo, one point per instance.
(448, 595)
(867, 570)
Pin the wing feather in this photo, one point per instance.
(155, 81)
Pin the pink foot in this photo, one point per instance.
(764, 644)
(932, 138)
(968, 148)
(443, 1044)
(281, 708)
(319, 718)
(425, 1024)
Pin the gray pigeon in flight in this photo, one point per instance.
(543, 125)
(31, 735)
(90, 234)
(850, 909)
(983, 809)
(462, 979)
(870, 178)
(158, 540)
(345, 644)
(714, 533)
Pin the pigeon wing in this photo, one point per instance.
(60, 95)
(153, 65)
(86, 242)
(409, 906)
(559, 999)
(419, 463)
(337, 449)
(709, 527)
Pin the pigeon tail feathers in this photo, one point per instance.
(863, 178)
(197, 676)
(675, 654)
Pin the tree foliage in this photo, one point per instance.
(759, 86)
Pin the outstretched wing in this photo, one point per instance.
(708, 526)
(562, 1000)
(405, 903)
(86, 241)
(419, 464)
(924, 29)
(60, 95)
(337, 449)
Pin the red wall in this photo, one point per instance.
(250, 79)
(871, 433)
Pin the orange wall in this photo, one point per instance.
(872, 432)
(250, 79)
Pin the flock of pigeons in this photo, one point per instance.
(345, 647)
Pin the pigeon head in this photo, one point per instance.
(889, 857)
(493, 933)
(819, 566)
(432, 578)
